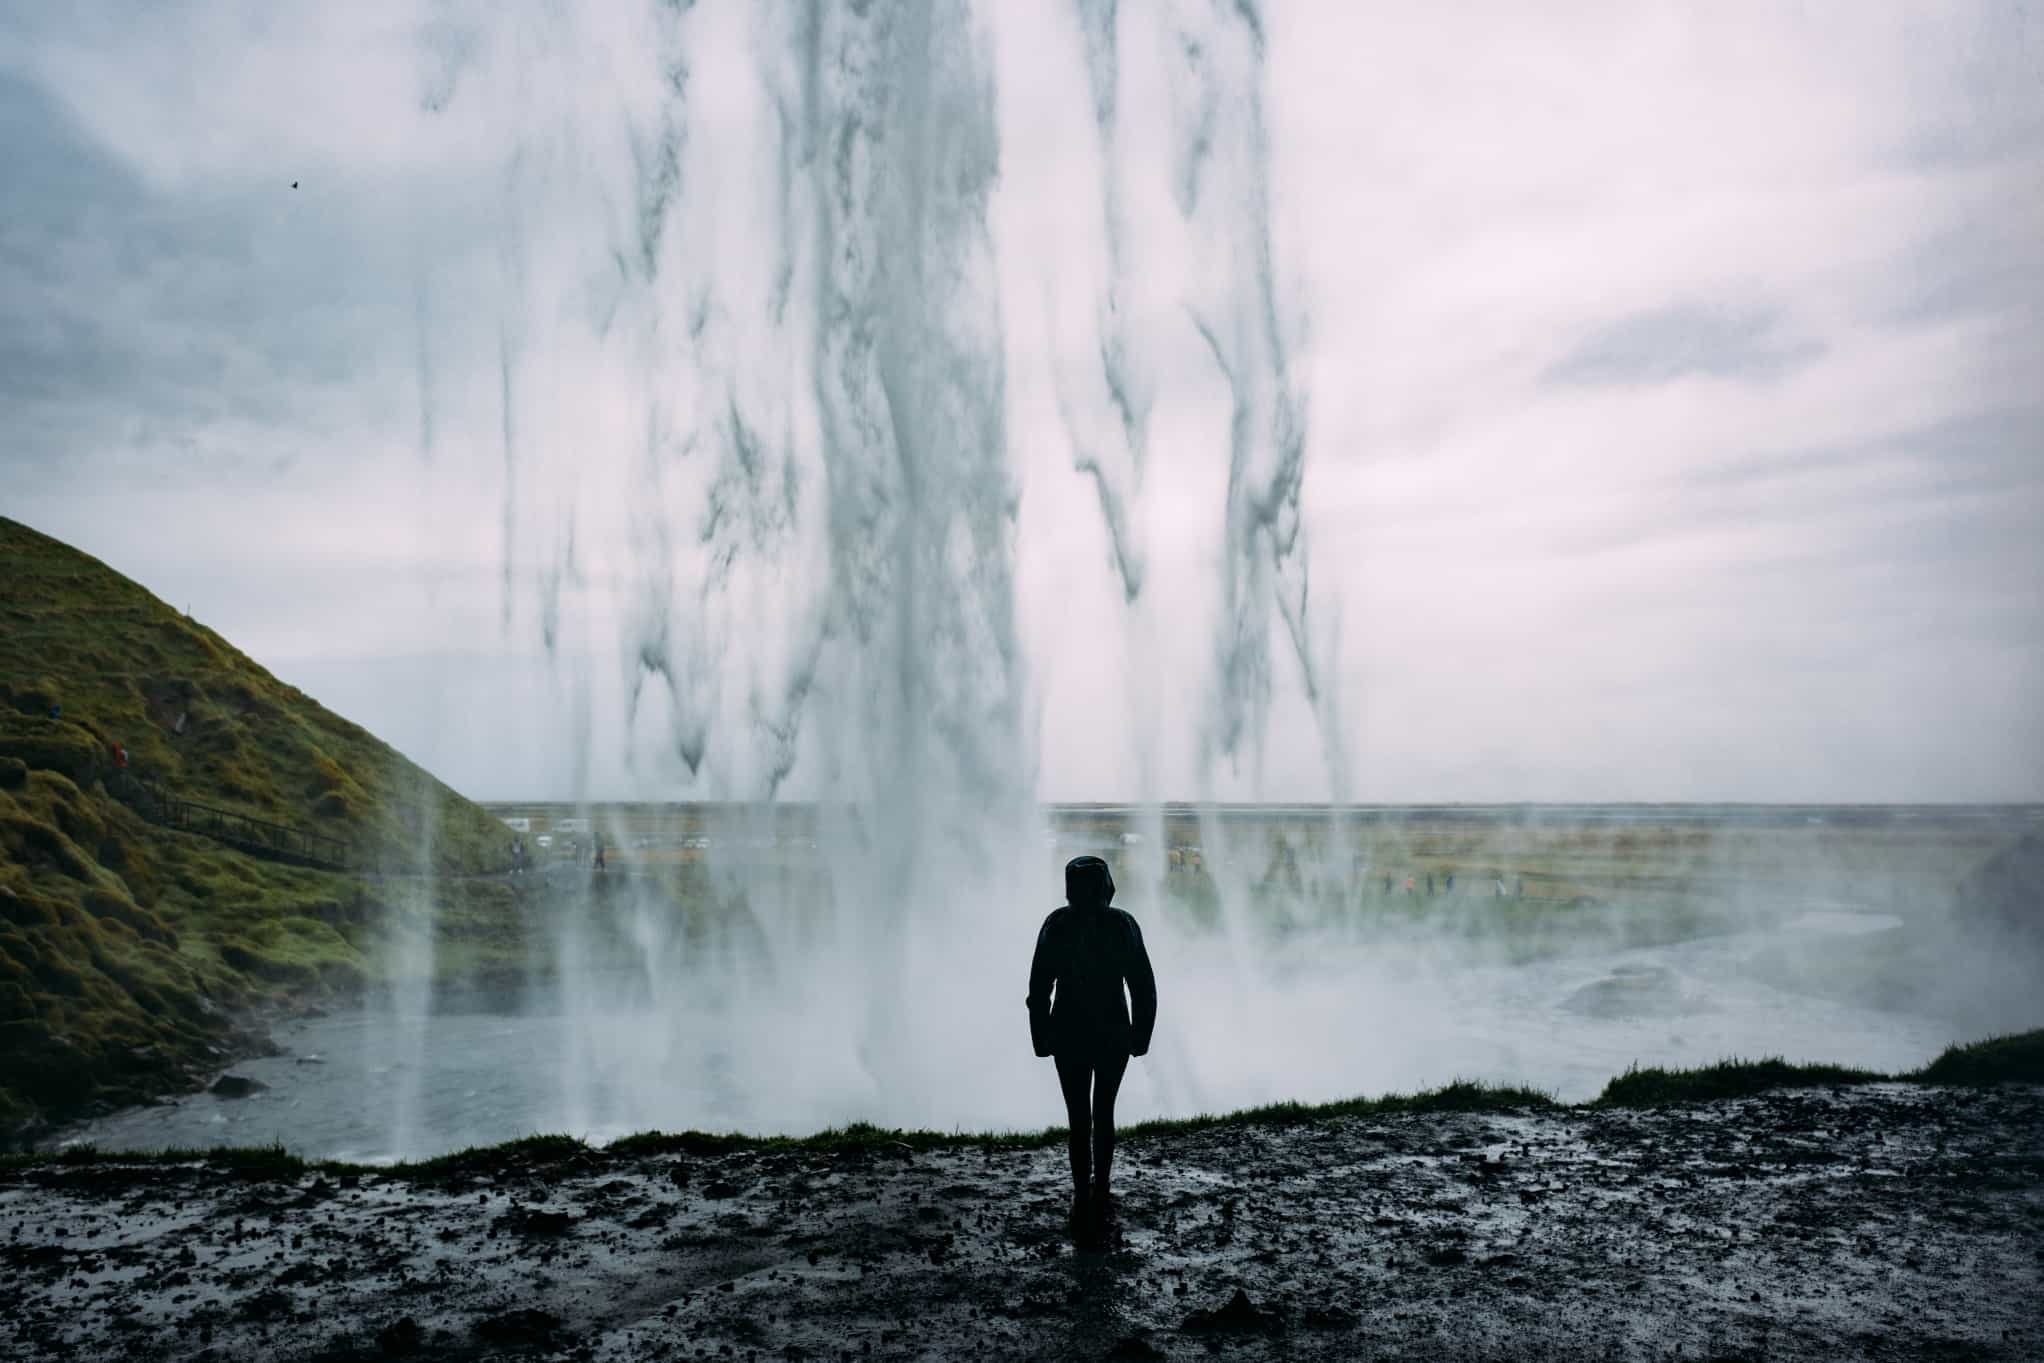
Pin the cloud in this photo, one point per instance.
(1668, 371)
(1684, 340)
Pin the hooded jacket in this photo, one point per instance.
(1086, 951)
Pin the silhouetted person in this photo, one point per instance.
(1086, 952)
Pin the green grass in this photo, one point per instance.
(2014, 1059)
(1655, 1087)
(202, 717)
(1462, 1095)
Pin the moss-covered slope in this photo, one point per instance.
(200, 716)
(126, 949)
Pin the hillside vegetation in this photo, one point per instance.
(126, 948)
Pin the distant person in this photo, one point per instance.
(596, 856)
(1085, 953)
(517, 856)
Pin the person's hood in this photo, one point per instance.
(1087, 883)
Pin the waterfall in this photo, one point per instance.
(752, 394)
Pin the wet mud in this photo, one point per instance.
(1893, 1221)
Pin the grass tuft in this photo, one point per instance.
(2017, 1058)
(1462, 1095)
(261, 1162)
(2014, 1059)
(527, 1154)
(1656, 1087)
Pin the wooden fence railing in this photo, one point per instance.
(257, 837)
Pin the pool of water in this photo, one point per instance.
(1311, 1020)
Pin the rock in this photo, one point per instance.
(527, 1325)
(236, 1086)
(1329, 1318)
(652, 1218)
(1239, 1316)
(534, 1221)
(401, 1337)
(1135, 1347)
(268, 1304)
(1446, 1257)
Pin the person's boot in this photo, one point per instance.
(1100, 1213)
(1082, 1218)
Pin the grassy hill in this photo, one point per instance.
(127, 949)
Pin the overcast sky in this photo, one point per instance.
(1672, 375)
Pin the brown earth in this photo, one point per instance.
(1892, 1221)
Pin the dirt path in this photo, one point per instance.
(1890, 1222)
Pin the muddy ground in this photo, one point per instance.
(1894, 1221)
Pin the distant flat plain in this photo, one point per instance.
(1895, 856)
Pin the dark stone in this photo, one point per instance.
(33, 1256)
(402, 1336)
(236, 1086)
(1329, 1318)
(268, 1304)
(527, 1325)
(1446, 1257)
(1239, 1316)
(534, 1221)
(1135, 1347)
